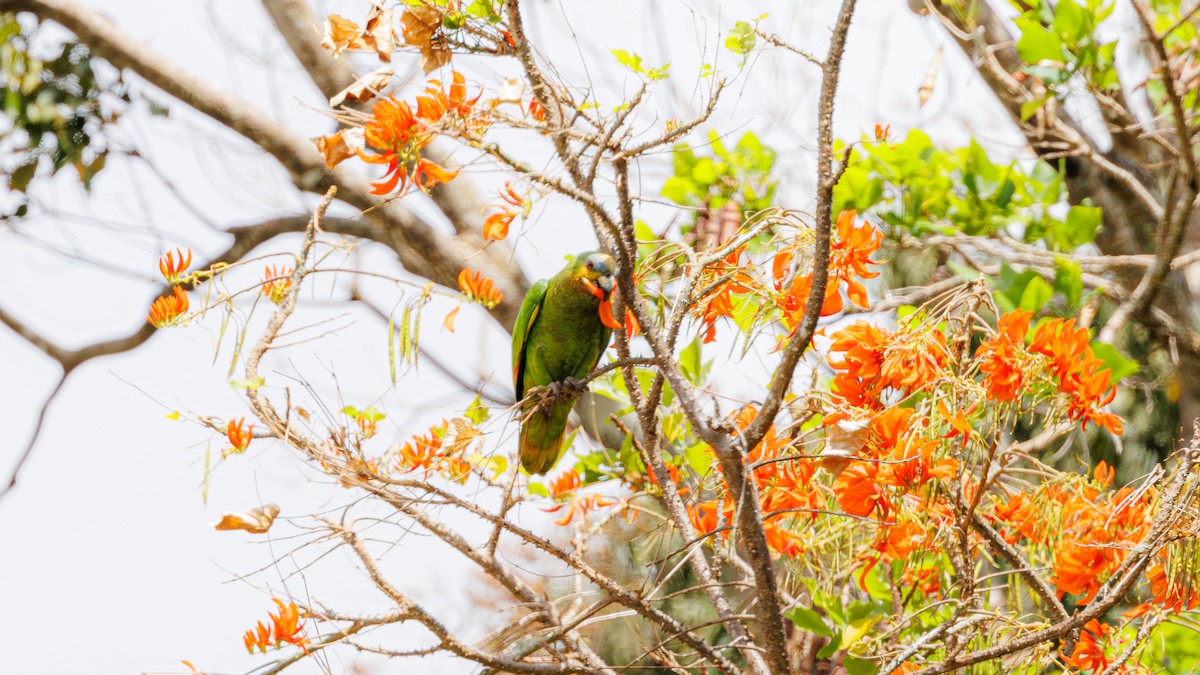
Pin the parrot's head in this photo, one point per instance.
(595, 271)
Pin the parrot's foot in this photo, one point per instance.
(563, 390)
(573, 386)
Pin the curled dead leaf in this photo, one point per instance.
(843, 441)
(340, 146)
(419, 24)
(255, 521)
(341, 34)
(364, 88)
(464, 434)
(448, 322)
(926, 89)
(379, 33)
(433, 58)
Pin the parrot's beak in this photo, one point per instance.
(605, 281)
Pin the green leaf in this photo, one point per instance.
(741, 38)
(1121, 366)
(689, 361)
(248, 383)
(1036, 294)
(857, 666)
(1068, 279)
(835, 644)
(808, 620)
(681, 190)
(537, 489)
(477, 412)
(1030, 108)
(22, 175)
(698, 459)
(1083, 224)
(1037, 43)
(351, 412)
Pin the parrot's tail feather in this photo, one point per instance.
(542, 438)
(539, 460)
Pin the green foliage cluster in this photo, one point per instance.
(55, 106)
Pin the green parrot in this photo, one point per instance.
(557, 340)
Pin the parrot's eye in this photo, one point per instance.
(591, 265)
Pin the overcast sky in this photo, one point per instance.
(110, 565)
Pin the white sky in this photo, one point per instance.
(110, 565)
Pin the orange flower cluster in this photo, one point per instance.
(869, 484)
(173, 263)
(276, 283)
(285, 627)
(495, 226)
(1004, 357)
(1089, 652)
(398, 133)
(786, 491)
(479, 288)
(429, 454)
(239, 434)
(1091, 533)
(719, 302)
(1171, 594)
(875, 359)
(1080, 372)
(166, 310)
(850, 254)
(565, 490)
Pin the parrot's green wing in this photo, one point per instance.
(530, 308)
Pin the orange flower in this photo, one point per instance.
(285, 628)
(173, 263)
(781, 265)
(259, 636)
(1089, 653)
(719, 302)
(913, 360)
(782, 540)
(883, 132)
(536, 111)
(703, 516)
(434, 105)
(479, 288)
(276, 282)
(422, 452)
(565, 485)
(239, 434)
(1171, 594)
(565, 490)
(1079, 372)
(857, 377)
(166, 310)
(1004, 355)
(857, 490)
(495, 226)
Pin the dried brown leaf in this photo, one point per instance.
(340, 35)
(465, 433)
(364, 88)
(926, 89)
(336, 149)
(255, 521)
(419, 24)
(843, 441)
(434, 58)
(379, 34)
